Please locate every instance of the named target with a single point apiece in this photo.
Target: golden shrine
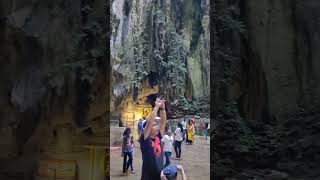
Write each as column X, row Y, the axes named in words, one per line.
column 133, row 113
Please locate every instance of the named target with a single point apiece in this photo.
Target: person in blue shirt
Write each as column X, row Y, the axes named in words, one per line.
column 140, row 127
column 150, row 141
column 171, row 173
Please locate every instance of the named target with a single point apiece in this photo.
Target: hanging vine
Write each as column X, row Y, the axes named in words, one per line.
column 169, row 53
column 173, row 60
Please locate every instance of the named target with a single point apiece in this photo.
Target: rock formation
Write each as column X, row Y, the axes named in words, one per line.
column 270, row 128
column 142, row 34
column 53, row 75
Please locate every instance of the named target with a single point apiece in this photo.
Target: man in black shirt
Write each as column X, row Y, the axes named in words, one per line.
column 151, row 143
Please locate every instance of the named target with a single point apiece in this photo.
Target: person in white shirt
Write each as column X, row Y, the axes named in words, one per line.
column 178, row 138
column 184, row 126
column 167, row 140
column 207, row 130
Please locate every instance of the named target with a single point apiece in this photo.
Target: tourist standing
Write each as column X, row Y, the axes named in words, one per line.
column 151, row 143
column 184, row 126
column 127, row 151
column 203, row 128
column 167, row 146
column 178, row 138
column 191, row 131
column 207, row 130
column 140, row 127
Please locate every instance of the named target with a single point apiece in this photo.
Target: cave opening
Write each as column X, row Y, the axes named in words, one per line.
column 153, row 79
column 151, row 99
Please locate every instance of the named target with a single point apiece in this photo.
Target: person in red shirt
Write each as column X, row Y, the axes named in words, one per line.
column 203, row 128
column 150, row 142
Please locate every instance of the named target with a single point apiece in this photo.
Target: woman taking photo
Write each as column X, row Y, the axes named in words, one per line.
column 127, row 151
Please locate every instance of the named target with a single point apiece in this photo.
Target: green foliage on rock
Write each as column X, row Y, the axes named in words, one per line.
column 136, row 53
column 174, row 64
column 183, row 106
column 89, row 47
column 169, row 55
column 226, row 27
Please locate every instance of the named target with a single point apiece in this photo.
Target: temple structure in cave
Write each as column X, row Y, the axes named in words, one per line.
column 134, row 111
column 127, row 111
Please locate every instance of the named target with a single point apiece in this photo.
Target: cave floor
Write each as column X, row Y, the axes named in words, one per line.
column 195, row 160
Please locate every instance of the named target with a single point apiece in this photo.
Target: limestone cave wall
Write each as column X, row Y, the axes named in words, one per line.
column 265, row 113
column 145, row 18
column 52, row 72
column 278, row 58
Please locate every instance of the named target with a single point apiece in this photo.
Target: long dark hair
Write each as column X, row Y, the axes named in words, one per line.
column 180, row 126
column 127, row 132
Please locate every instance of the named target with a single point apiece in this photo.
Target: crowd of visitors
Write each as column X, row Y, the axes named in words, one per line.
column 156, row 143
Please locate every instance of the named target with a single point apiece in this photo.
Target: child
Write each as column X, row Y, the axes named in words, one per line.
column 167, row 147
column 171, row 172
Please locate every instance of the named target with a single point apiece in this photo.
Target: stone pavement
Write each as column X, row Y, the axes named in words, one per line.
column 194, row 158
